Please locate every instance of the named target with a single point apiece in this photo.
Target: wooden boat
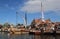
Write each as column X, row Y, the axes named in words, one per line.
column 48, row 32
column 20, row 31
column 35, row 32
column 17, row 32
column 24, row 31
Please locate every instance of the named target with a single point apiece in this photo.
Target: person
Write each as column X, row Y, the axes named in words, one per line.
column 42, row 31
column 54, row 31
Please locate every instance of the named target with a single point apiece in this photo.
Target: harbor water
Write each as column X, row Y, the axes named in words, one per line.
column 27, row 36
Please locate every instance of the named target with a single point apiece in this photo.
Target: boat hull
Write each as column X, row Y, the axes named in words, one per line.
column 35, row 32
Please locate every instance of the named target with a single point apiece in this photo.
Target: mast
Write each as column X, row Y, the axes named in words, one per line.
column 25, row 19
column 42, row 11
column 16, row 17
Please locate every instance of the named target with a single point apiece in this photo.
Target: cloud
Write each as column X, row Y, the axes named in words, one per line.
column 31, row 6
column 52, row 5
column 35, row 5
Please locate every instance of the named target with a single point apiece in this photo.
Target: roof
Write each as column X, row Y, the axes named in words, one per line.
column 57, row 22
column 40, row 21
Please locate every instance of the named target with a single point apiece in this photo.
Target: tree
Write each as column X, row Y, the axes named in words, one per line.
column 6, row 24
column 18, row 24
column 1, row 26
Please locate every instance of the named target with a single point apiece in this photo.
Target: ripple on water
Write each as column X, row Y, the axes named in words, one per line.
column 26, row 36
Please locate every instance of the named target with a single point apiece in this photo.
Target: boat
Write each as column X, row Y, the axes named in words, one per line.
column 35, row 32
column 48, row 32
column 19, row 31
column 24, row 31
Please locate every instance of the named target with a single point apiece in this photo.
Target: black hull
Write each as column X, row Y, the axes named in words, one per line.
column 48, row 33
column 31, row 33
column 35, row 33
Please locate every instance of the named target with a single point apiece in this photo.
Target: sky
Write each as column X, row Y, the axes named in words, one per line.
column 8, row 9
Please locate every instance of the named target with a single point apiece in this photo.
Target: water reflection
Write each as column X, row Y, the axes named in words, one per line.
column 37, row 37
column 12, row 36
